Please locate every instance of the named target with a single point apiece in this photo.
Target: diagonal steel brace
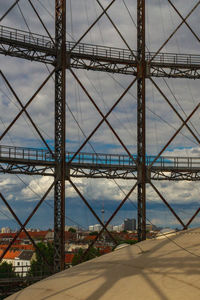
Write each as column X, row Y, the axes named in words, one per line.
column 27, row 104
column 22, row 226
column 28, row 115
column 10, row 8
column 27, row 220
column 176, row 10
column 174, row 135
column 91, row 209
column 190, row 221
column 177, row 113
column 109, row 220
column 167, row 204
column 171, row 35
column 123, row 39
column 99, row 17
column 104, row 118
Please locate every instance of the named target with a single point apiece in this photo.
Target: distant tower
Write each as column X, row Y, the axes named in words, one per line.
column 102, row 212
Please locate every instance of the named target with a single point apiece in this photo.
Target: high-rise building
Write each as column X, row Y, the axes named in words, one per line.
column 130, row 224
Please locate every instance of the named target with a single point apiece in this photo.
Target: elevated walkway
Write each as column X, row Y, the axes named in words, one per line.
column 89, row 164
column 32, row 46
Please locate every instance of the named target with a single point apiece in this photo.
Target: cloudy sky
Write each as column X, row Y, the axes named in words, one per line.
column 25, row 77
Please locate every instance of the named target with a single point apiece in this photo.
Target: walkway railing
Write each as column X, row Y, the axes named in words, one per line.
column 175, row 162
column 97, row 50
column 25, row 37
column 25, row 153
column 9, row 153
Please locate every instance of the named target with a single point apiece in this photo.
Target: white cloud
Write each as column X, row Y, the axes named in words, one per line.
column 185, row 152
column 36, row 187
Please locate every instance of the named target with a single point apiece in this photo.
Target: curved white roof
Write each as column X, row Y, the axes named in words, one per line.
column 167, row 269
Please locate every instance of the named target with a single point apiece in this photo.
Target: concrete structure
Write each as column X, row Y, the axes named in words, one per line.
column 167, row 269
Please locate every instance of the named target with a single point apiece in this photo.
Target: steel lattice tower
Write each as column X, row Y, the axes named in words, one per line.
column 59, row 197
column 64, row 55
column 141, row 130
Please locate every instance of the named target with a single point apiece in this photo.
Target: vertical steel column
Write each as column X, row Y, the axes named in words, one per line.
column 141, row 148
column 59, row 192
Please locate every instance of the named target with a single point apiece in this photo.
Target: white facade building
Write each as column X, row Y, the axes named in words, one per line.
column 98, row 227
column 118, row 228
column 5, row 230
column 20, row 260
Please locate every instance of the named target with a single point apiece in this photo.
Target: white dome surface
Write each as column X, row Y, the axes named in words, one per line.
column 167, row 269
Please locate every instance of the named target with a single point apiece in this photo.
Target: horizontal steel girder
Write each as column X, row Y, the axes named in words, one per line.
column 32, row 161
column 100, row 172
column 31, row 46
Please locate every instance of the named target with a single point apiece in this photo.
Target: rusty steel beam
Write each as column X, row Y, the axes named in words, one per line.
column 62, row 61
column 27, row 220
column 192, row 218
column 27, row 233
column 26, row 105
column 45, row 28
column 60, row 95
column 91, row 209
column 9, row 9
column 104, row 118
column 91, row 26
column 174, row 135
column 119, row 33
column 109, row 220
column 31, row 46
column 186, row 23
column 27, row 114
column 172, row 34
column 141, row 123
column 175, row 110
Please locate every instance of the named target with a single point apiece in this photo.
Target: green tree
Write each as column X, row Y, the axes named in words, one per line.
column 72, row 230
column 39, row 266
column 80, row 257
column 6, row 270
column 93, row 233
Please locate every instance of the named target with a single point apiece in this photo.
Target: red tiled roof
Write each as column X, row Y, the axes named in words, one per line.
column 10, row 254
column 21, row 247
column 33, row 234
column 22, row 235
column 90, row 237
column 68, row 258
